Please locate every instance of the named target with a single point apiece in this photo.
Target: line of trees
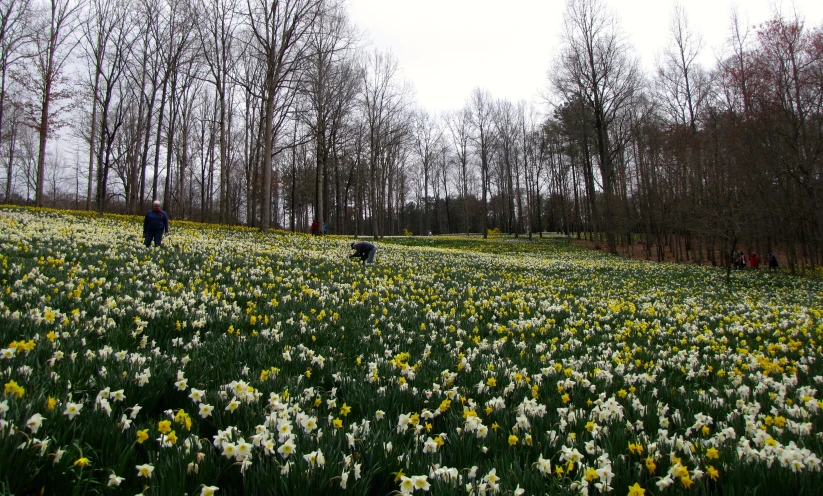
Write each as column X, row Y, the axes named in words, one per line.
column 274, row 113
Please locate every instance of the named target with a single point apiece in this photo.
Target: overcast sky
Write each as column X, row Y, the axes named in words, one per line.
column 448, row 47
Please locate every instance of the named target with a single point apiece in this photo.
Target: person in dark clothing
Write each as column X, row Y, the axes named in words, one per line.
column 314, row 227
column 155, row 224
column 741, row 260
column 772, row 261
column 364, row 250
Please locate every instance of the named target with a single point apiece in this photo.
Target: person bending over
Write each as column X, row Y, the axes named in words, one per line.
column 364, row 250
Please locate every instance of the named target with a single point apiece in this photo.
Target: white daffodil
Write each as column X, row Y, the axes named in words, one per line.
column 72, row 409
column 34, row 422
column 114, row 480
column 420, row 482
column 209, row 490
column 205, row 410
column 145, row 470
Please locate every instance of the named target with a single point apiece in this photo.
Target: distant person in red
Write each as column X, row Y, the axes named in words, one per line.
column 314, row 227
column 754, row 262
column 155, row 224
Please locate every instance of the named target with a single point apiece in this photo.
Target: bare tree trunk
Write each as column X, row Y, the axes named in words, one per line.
column 92, row 140
column 157, row 139
column 12, row 148
column 173, row 110
column 43, row 136
column 268, row 147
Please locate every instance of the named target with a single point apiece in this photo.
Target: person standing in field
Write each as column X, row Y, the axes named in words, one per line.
column 736, row 259
column 364, row 250
column 314, row 227
column 155, row 225
column 772, row 261
column 754, row 261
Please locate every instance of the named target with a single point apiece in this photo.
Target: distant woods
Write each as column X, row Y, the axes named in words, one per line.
column 276, row 114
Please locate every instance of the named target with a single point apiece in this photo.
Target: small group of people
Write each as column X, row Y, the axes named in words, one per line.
column 315, row 228
column 156, row 225
column 740, row 261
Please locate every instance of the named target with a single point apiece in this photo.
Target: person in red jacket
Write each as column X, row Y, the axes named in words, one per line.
column 314, row 227
column 754, row 262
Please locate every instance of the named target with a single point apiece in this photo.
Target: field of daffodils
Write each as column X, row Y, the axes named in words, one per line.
column 234, row 362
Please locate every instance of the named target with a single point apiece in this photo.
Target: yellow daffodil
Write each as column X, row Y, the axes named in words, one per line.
column 142, row 435
column 591, row 474
column 636, row 490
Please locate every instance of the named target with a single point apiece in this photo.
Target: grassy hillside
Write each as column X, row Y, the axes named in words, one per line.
column 273, row 364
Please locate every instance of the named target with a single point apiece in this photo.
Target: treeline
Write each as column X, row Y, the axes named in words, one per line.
column 276, row 113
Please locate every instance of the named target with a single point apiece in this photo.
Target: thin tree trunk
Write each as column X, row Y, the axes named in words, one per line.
column 157, row 138
column 44, row 131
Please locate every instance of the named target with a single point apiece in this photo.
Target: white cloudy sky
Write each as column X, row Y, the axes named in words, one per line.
column 448, row 47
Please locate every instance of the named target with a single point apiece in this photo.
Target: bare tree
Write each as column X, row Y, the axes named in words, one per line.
column 482, row 120
column 683, row 87
column 279, row 30
column 682, row 81
column 507, row 130
column 597, row 67
column 459, row 125
column 331, row 83
column 12, row 137
column 96, row 37
column 144, row 81
column 54, row 178
column 173, row 40
column 384, row 102
column 216, row 22
column 531, row 165
column 15, row 17
column 737, row 70
column 108, row 38
column 789, row 71
column 443, row 169
column 54, row 41
column 427, row 144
